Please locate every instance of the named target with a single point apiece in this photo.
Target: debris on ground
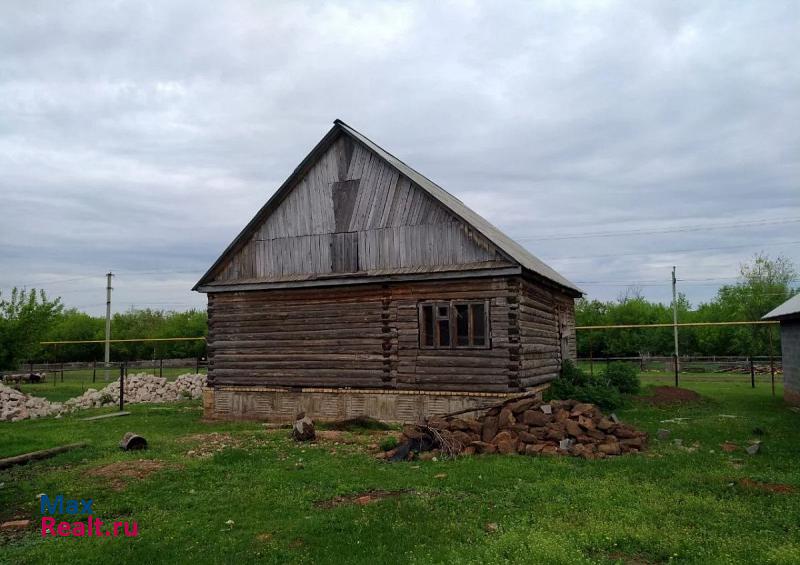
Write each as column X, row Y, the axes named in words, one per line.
column 754, row 448
column 670, row 396
column 142, row 388
column 357, row 424
column 16, row 405
column 139, row 388
column 303, row 428
column 662, row 434
column 15, row 525
column 131, row 441
column 211, row 443
column 120, row 472
column 524, row 425
column 767, row 487
column 361, row 499
column 729, row 447
column 16, row 378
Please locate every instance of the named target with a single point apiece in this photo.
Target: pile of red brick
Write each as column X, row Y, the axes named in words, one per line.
column 531, row 427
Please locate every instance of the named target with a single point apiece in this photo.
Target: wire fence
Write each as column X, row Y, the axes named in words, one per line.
column 715, row 368
column 62, row 381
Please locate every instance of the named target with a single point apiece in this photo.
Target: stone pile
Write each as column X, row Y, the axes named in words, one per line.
column 142, row 388
column 139, row 388
column 16, row 405
column 526, row 426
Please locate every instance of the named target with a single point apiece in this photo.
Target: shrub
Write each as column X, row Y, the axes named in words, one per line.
column 624, row 377
column 389, row 443
column 606, row 397
column 574, row 383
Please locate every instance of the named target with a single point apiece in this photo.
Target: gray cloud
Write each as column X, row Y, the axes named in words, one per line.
column 140, row 137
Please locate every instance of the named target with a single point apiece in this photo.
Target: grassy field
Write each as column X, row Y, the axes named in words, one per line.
column 76, row 383
column 670, row 504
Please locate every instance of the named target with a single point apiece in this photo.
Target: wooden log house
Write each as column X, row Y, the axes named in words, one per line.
column 363, row 288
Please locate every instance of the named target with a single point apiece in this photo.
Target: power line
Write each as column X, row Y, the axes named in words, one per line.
column 75, row 279
column 554, row 259
column 697, row 227
column 650, row 283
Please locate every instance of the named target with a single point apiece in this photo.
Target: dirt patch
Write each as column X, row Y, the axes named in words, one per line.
column 118, row 474
column 361, row 499
column 767, row 487
column 209, row 444
column 368, row 438
column 357, row 424
column 264, row 537
column 670, row 396
column 629, row 559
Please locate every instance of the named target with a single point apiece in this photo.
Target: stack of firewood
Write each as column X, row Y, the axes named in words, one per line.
column 526, row 426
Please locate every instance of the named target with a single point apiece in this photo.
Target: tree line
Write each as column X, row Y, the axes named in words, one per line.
column 764, row 283
column 28, row 317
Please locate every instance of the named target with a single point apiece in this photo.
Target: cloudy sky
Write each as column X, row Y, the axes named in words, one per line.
column 613, row 139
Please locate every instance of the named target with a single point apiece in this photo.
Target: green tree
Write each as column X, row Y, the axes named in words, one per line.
column 25, row 317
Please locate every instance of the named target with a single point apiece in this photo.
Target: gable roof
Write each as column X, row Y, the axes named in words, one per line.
column 504, row 243
column 789, row 309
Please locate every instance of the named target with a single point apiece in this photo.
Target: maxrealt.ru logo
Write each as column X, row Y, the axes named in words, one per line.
column 83, row 507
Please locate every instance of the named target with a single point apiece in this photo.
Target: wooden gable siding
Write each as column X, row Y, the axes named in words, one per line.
column 361, row 337
column 352, row 212
column 546, row 320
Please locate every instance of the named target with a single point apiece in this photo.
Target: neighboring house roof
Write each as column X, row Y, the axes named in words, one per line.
column 789, row 309
column 504, row 243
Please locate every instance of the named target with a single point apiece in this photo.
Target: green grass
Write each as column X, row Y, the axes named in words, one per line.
column 76, row 383
column 667, row 505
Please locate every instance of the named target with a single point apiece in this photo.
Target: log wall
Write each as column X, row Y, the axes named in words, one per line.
column 367, row 337
column 546, row 319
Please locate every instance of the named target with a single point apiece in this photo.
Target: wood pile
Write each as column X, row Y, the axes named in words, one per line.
column 745, row 369
column 16, row 378
column 526, row 426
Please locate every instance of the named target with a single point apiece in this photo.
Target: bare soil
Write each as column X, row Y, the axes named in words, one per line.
column 767, row 487
column 670, row 396
column 118, row 474
column 209, row 444
column 361, row 499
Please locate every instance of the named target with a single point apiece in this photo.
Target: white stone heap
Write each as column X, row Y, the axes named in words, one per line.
column 139, row 388
column 16, row 405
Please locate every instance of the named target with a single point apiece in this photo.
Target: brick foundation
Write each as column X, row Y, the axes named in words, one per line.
column 324, row 404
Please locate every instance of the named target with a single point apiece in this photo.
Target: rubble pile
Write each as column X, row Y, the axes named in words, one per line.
column 142, row 388
column 16, row 405
column 139, row 388
column 526, row 426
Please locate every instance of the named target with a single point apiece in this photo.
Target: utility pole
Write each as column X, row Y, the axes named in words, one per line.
column 675, row 322
column 108, row 322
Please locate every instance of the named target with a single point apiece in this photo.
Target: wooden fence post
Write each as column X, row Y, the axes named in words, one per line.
column 752, row 374
column 121, row 385
column 675, row 366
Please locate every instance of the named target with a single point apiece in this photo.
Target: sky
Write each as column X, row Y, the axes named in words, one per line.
column 612, row 139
